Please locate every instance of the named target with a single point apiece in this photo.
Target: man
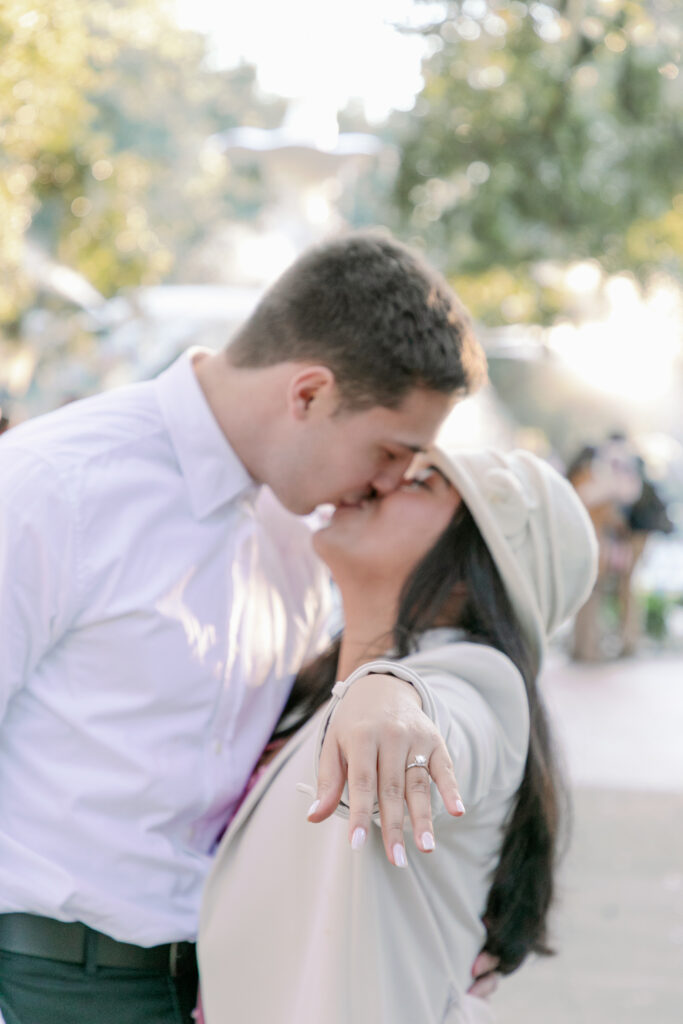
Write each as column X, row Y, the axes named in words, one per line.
column 156, row 603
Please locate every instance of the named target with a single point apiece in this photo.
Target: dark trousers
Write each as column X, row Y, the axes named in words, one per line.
column 34, row 990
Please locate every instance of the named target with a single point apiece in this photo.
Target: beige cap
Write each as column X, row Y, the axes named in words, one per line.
column 536, row 529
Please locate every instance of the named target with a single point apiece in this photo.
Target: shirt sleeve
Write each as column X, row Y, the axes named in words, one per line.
column 487, row 742
column 38, row 577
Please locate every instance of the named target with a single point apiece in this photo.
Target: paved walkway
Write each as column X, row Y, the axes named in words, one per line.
column 619, row 925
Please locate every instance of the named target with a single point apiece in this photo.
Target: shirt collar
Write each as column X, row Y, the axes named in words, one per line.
column 436, row 637
column 213, row 473
column 440, row 635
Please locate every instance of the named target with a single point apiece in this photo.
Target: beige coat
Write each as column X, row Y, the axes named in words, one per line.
column 296, row 927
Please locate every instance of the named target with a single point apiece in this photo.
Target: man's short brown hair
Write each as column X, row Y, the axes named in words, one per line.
column 373, row 312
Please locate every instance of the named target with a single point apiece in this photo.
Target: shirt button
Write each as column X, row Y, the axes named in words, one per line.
column 217, row 747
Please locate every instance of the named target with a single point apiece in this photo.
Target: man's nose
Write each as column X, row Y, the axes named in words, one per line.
column 391, row 475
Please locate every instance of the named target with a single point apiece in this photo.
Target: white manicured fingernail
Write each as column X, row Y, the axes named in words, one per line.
column 313, row 808
column 427, row 841
column 399, row 856
column 459, row 806
column 358, row 838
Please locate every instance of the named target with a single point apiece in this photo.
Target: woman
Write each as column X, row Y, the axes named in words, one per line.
column 460, row 574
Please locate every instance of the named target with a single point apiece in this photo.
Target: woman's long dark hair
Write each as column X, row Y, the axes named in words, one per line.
column 459, row 563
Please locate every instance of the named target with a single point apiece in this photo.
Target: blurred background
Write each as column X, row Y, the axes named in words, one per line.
column 161, row 163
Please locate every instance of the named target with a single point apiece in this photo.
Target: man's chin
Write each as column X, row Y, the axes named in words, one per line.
column 296, row 504
column 305, row 505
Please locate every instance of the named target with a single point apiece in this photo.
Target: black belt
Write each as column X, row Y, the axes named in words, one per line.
column 74, row 943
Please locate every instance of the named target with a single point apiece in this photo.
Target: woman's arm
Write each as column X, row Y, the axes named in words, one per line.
column 466, row 710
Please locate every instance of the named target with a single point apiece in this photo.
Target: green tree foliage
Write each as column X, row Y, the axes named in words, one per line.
column 105, row 109
column 545, row 133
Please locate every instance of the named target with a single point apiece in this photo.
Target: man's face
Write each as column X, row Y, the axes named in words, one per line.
column 375, row 546
column 342, row 457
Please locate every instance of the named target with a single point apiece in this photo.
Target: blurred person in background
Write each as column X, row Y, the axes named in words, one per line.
column 625, row 508
column 594, row 487
column 645, row 516
column 156, row 603
column 453, row 582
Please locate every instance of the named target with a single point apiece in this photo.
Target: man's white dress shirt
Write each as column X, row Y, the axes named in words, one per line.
column 155, row 605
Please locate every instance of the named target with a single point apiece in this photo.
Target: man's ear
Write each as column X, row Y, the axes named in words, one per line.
column 312, row 390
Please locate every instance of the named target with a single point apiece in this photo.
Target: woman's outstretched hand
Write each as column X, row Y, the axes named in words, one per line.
column 376, row 730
